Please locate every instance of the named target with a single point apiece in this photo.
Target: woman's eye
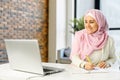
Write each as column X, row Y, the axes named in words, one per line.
column 91, row 22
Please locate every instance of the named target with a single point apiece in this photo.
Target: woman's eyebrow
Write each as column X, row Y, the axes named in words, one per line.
column 92, row 20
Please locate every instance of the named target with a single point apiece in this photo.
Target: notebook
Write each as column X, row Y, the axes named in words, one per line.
column 24, row 55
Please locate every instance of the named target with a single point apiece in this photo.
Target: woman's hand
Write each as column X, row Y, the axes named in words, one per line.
column 102, row 64
column 89, row 66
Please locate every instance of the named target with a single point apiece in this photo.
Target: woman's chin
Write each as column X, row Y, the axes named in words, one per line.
column 88, row 32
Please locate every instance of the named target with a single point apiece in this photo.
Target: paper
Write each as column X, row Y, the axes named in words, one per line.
column 75, row 70
column 96, row 70
column 99, row 70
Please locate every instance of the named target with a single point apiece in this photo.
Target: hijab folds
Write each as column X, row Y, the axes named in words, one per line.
column 90, row 42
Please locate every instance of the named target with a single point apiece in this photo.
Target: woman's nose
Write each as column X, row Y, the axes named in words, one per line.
column 87, row 25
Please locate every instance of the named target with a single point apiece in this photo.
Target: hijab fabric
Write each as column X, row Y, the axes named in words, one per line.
column 95, row 41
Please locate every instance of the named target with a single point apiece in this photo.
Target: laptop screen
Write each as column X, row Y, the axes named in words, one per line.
column 24, row 55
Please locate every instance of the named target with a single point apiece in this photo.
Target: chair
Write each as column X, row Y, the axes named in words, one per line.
column 63, row 56
column 3, row 57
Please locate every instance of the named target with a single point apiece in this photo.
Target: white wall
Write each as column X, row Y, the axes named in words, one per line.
column 111, row 10
column 61, row 23
column 83, row 6
column 69, row 17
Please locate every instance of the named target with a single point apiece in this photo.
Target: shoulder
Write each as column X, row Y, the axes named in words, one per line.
column 109, row 43
column 110, row 40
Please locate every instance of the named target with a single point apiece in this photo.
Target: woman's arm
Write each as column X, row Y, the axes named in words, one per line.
column 77, row 61
column 75, row 56
column 112, row 57
column 82, row 64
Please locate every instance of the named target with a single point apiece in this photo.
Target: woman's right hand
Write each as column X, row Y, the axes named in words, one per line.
column 89, row 66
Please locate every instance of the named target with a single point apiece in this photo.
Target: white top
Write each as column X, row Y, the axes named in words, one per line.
column 106, row 54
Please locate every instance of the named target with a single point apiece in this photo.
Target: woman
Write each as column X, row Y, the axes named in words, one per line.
column 93, row 42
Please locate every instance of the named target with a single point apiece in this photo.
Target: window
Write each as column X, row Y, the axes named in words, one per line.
column 110, row 8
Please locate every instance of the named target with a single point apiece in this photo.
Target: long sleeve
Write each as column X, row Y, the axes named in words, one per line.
column 112, row 57
column 77, row 61
column 75, row 57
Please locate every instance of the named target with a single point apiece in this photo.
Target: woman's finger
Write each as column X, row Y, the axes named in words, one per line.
column 102, row 65
column 89, row 66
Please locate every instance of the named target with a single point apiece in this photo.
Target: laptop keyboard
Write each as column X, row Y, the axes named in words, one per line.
column 46, row 70
column 51, row 70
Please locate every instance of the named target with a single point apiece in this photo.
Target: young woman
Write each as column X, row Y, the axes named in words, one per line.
column 93, row 42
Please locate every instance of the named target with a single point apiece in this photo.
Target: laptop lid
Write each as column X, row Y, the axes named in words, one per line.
column 24, row 55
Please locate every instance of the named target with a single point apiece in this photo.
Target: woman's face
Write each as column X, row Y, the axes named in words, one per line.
column 90, row 25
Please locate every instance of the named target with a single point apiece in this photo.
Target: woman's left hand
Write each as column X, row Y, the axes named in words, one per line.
column 102, row 64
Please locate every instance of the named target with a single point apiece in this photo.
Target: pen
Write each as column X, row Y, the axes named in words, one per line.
column 92, row 66
column 88, row 59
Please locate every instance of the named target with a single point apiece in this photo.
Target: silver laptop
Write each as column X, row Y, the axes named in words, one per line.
column 24, row 55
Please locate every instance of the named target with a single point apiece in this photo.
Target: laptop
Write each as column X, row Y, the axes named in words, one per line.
column 24, row 55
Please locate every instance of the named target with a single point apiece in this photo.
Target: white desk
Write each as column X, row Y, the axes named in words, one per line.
column 70, row 73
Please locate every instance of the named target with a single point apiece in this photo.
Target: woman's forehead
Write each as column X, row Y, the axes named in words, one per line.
column 88, row 18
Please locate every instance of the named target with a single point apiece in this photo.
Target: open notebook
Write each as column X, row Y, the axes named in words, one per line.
column 77, row 70
column 97, row 70
column 24, row 55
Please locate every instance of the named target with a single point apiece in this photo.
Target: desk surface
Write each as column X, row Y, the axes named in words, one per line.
column 71, row 73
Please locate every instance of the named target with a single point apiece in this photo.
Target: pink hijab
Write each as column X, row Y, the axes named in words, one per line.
column 84, row 44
